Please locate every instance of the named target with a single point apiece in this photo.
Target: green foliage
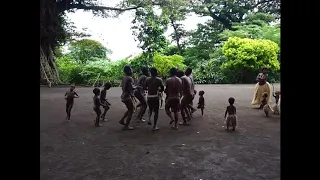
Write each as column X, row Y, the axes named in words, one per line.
column 230, row 48
column 255, row 26
column 164, row 63
column 209, row 71
column 171, row 50
column 246, row 56
column 149, row 29
column 201, row 43
column 86, row 50
column 228, row 12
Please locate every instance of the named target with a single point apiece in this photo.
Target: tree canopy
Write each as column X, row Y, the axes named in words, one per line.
column 230, row 47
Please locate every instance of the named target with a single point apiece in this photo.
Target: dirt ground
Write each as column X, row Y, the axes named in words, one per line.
column 204, row 150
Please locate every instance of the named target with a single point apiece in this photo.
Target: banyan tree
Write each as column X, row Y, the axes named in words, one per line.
column 54, row 29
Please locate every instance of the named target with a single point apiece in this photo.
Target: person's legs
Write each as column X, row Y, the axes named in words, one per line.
column 123, row 117
column 69, row 110
column 129, row 105
column 155, row 104
column 103, row 116
column 190, row 106
column 183, row 109
column 143, row 105
column 150, row 110
column 67, row 107
column 175, row 108
column 98, row 112
column 167, row 107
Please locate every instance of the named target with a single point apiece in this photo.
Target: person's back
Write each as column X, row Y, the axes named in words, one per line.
column 173, row 86
column 103, row 95
column 126, row 86
column 141, row 80
column 153, row 84
column 186, row 86
column 231, row 109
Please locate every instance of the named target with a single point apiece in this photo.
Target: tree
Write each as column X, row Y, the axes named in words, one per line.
column 165, row 63
column 177, row 13
column 201, row 43
column 245, row 57
column 255, row 26
column 55, row 30
column 149, row 30
column 85, row 50
column 227, row 12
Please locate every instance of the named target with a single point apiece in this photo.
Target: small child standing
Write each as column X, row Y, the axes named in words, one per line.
column 264, row 104
column 276, row 108
column 96, row 107
column 160, row 94
column 231, row 111
column 201, row 101
column 69, row 96
column 104, row 101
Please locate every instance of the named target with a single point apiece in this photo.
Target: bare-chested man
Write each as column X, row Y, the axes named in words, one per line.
column 187, row 96
column 188, row 73
column 153, row 84
column 126, row 97
column 139, row 93
column 173, row 90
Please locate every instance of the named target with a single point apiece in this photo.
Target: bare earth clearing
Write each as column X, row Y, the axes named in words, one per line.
column 203, row 150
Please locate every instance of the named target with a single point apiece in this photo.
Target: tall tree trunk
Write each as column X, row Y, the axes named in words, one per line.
column 177, row 39
column 48, row 69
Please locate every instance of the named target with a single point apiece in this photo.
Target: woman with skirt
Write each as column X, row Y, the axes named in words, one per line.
column 261, row 87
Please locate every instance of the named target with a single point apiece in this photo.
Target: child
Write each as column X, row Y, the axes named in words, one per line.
column 201, row 101
column 160, row 94
column 277, row 96
column 276, row 108
column 69, row 96
column 264, row 104
column 264, row 99
column 231, row 111
column 104, row 101
column 96, row 107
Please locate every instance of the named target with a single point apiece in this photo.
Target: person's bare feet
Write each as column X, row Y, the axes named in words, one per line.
column 175, row 128
column 183, row 123
column 127, row 128
column 122, row 122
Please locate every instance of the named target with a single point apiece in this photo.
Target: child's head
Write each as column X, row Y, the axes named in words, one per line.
column 201, row 93
column 107, row 86
column 96, row 91
column 231, row 100
column 180, row 73
column 145, row 71
column 265, row 70
column 127, row 70
column 72, row 87
column 265, row 95
column 154, row 72
column 278, row 93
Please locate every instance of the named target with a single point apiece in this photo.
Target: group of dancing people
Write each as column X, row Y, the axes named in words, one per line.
column 180, row 92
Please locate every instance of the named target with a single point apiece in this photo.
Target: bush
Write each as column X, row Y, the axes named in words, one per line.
column 246, row 57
